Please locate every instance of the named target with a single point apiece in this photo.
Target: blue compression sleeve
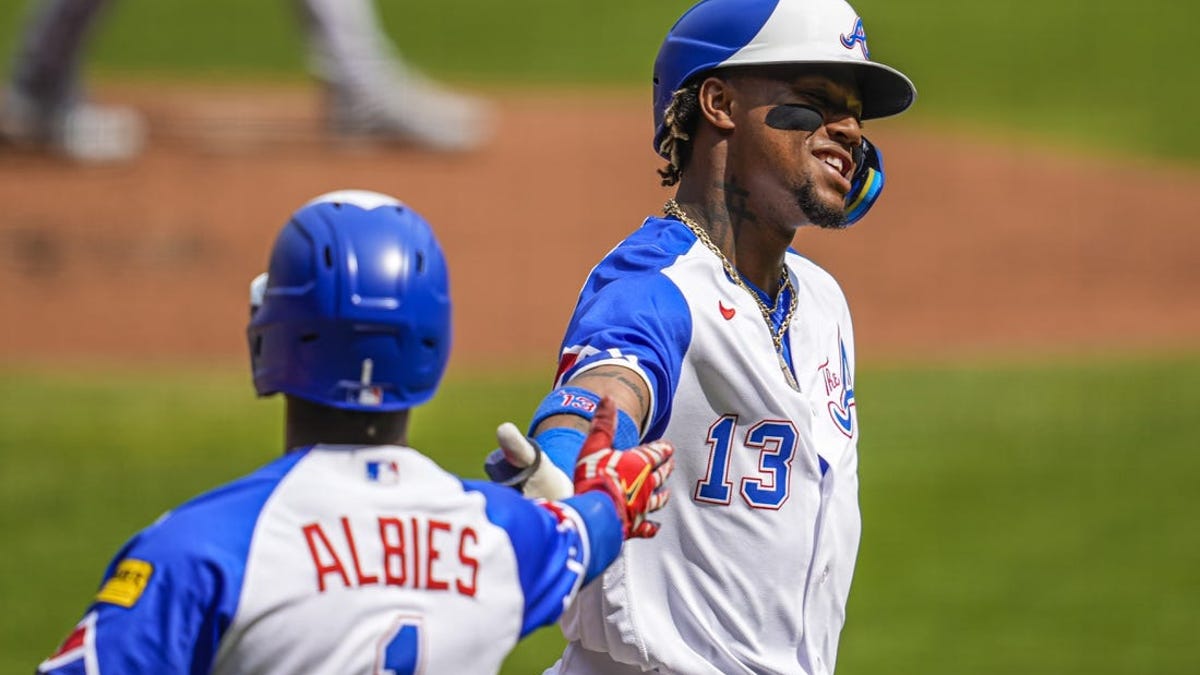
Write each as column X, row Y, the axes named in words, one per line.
column 604, row 534
column 627, row 435
column 581, row 403
column 562, row 445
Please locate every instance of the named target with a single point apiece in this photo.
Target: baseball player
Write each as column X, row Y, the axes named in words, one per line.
column 705, row 327
column 354, row 553
column 372, row 92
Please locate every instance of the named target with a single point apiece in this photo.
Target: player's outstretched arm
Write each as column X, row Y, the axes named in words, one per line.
column 541, row 465
column 636, row 474
column 575, row 538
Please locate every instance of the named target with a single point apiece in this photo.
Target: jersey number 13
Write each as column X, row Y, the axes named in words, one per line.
column 775, row 443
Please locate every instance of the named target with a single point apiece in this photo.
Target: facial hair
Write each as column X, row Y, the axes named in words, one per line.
column 818, row 212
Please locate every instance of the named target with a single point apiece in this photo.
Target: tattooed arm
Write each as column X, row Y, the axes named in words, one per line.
column 626, row 387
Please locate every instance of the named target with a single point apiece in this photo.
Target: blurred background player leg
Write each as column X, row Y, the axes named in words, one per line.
column 45, row 106
column 372, row 93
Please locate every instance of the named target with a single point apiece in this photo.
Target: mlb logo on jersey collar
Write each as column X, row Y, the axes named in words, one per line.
column 386, row 473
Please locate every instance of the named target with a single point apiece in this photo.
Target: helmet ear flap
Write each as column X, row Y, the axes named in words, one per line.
column 867, row 182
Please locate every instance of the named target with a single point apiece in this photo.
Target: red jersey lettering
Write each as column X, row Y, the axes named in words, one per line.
column 312, row 534
column 363, row 579
column 431, row 546
column 468, row 560
column 395, row 562
column 411, row 550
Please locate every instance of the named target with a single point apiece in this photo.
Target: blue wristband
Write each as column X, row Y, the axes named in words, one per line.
column 562, row 444
column 566, row 401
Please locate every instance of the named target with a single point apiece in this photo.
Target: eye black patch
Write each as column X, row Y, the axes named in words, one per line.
column 795, row 118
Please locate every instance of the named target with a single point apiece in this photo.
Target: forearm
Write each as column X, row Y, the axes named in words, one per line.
column 562, row 421
column 627, row 389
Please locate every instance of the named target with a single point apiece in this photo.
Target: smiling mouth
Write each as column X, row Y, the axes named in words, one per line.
column 839, row 164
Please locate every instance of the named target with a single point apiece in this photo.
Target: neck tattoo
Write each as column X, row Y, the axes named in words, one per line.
column 672, row 208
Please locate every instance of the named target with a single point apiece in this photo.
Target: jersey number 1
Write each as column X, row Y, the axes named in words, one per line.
column 775, row 443
column 401, row 654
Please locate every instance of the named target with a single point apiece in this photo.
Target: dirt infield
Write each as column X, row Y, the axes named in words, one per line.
column 975, row 247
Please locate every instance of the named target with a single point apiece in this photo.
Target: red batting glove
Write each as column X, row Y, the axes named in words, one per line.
column 632, row 478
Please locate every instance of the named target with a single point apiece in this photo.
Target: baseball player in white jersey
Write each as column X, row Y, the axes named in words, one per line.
column 708, row 329
column 371, row 91
column 354, row 553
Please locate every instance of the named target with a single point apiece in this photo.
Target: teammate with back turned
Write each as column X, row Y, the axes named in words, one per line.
column 354, row 553
column 706, row 328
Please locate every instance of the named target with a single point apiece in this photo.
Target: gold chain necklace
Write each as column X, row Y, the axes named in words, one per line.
column 672, row 208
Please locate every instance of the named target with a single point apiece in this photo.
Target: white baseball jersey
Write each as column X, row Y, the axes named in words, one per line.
column 341, row 559
column 751, row 570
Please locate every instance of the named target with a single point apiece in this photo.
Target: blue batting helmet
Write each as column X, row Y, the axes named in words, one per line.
column 355, row 309
column 722, row 33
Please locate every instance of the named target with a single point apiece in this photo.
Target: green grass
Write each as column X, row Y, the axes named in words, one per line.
column 477, row 40
column 86, row 461
column 1018, row 519
column 1104, row 75
column 1066, row 72
column 1028, row 520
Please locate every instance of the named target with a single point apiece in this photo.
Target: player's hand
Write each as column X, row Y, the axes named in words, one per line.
column 634, row 479
column 520, row 463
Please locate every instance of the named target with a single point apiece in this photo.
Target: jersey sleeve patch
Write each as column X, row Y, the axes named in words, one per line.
column 77, row 653
column 126, row 585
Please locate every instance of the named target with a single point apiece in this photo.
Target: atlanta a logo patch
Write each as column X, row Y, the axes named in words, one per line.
column 857, row 36
column 840, row 390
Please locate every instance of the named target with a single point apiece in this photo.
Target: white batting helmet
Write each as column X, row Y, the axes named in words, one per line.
column 722, row 33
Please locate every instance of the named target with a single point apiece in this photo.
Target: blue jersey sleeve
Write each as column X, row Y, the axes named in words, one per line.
column 629, row 313
column 159, row 612
column 559, row 546
column 170, row 593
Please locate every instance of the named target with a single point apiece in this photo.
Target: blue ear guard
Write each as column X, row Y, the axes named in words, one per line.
column 867, row 182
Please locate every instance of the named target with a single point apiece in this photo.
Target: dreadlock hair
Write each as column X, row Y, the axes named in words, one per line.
column 680, row 121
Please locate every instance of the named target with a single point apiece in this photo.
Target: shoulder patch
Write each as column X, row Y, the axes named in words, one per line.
column 125, row 587
column 80, row 645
